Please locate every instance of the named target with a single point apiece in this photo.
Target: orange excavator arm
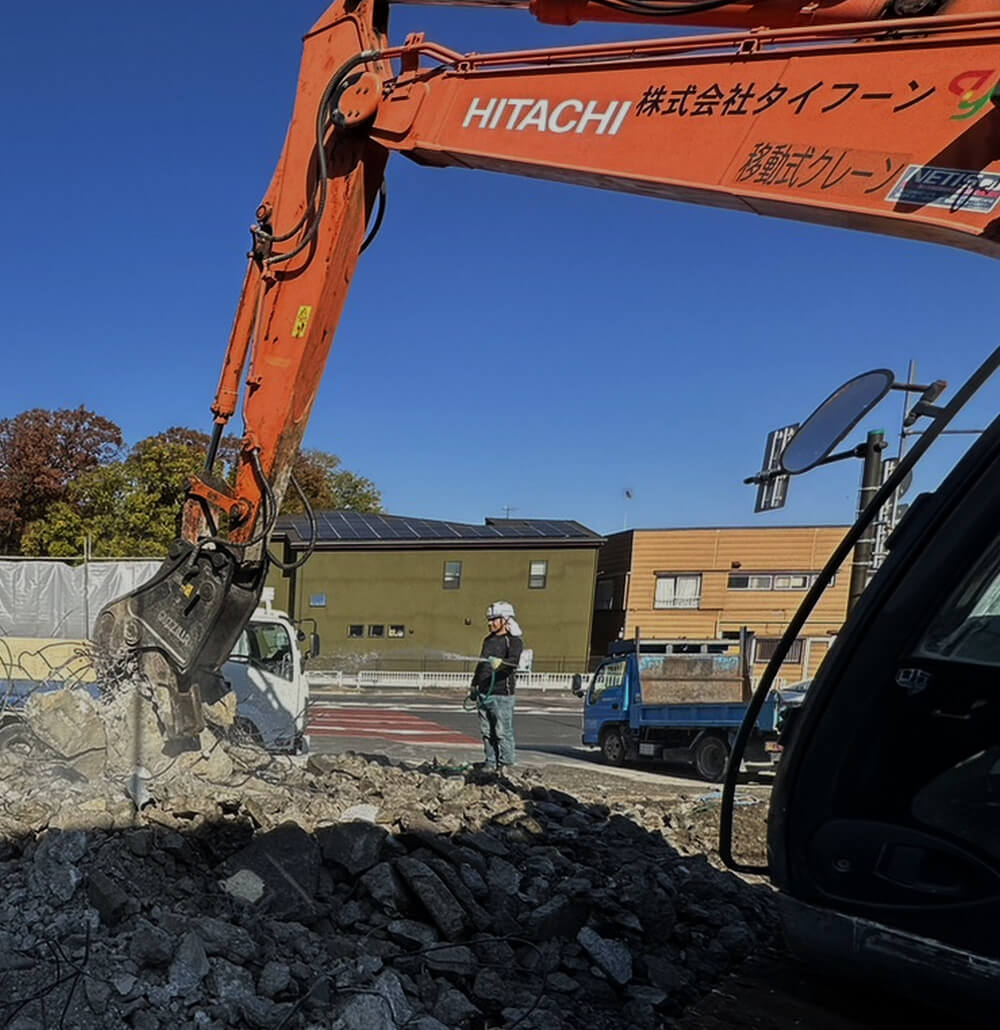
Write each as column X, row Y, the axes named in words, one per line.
column 884, row 124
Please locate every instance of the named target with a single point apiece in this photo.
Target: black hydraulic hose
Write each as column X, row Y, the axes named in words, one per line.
column 213, row 447
column 313, row 534
column 379, row 216
column 906, row 463
column 336, row 83
column 655, row 10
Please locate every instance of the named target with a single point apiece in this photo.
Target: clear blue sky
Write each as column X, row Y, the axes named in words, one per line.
column 506, row 343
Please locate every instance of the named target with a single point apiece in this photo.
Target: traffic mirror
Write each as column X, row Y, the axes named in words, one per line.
column 834, row 419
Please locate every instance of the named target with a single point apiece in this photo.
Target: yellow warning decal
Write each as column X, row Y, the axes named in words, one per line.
column 302, row 321
column 187, row 589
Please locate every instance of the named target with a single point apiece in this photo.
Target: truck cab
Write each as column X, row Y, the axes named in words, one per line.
column 266, row 671
column 677, row 701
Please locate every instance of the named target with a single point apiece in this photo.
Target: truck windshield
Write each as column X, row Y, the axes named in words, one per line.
column 266, row 645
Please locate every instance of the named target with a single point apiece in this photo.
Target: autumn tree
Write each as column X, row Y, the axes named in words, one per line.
column 328, row 486
column 131, row 507
column 41, row 453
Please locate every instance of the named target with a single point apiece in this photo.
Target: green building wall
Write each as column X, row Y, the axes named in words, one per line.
column 405, row 588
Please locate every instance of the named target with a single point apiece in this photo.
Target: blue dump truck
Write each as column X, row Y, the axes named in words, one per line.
column 677, row 701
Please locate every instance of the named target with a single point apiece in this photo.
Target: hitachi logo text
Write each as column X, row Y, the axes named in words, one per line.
column 547, row 116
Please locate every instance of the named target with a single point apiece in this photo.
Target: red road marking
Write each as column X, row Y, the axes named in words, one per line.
column 400, row 727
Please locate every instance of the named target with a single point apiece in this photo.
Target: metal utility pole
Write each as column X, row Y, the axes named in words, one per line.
column 871, row 480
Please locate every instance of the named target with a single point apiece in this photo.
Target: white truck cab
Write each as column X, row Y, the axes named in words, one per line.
column 266, row 671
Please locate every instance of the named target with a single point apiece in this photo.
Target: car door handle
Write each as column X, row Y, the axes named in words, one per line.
column 614, row 707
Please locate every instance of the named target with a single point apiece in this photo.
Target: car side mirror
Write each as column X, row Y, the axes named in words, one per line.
column 576, row 685
column 313, row 645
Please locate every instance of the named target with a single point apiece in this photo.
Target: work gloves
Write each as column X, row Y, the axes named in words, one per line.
column 494, row 663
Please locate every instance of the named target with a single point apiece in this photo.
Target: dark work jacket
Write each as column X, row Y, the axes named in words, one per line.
column 499, row 645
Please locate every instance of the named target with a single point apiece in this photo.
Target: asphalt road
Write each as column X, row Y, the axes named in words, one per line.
column 420, row 725
column 438, row 721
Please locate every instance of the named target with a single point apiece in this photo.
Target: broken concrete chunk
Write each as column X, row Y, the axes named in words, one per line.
column 453, row 1008
column 559, row 917
column 386, row 887
column 226, row 939
column 411, row 933
column 232, row 982
column 355, row 846
column 359, row 813
column 189, row 965
column 245, row 885
column 275, row 977
column 502, row 876
column 457, row 959
column 68, row 723
column 438, row 901
column 612, row 957
column 150, row 946
column 286, row 859
column 107, row 897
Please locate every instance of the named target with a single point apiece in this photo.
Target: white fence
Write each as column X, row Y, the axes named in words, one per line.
column 367, row 678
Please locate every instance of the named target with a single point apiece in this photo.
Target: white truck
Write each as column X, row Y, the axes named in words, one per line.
column 266, row 671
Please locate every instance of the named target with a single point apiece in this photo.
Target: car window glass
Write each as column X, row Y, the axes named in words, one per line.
column 607, row 678
column 967, row 628
column 271, row 649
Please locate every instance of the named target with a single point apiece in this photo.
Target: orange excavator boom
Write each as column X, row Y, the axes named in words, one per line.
column 884, row 124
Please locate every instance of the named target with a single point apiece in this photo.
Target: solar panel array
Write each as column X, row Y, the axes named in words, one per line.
column 355, row 525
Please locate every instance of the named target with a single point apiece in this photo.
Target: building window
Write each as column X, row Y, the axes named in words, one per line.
column 538, row 574
column 395, row 630
column 317, row 600
column 673, row 591
column 745, row 581
column 772, row 580
column 355, row 630
column 766, row 646
column 377, row 630
column 604, row 595
column 791, row 581
column 452, row 575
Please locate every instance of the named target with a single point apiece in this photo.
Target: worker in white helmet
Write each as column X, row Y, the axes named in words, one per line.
column 493, row 685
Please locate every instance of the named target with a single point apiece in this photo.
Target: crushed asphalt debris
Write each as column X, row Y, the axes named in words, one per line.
column 221, row 886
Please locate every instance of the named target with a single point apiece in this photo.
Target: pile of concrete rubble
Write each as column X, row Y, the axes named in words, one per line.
column 224, row 887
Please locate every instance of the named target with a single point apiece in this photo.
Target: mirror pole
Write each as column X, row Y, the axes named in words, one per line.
column 864, row 549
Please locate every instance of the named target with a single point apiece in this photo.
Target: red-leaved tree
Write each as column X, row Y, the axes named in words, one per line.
column 41, row 451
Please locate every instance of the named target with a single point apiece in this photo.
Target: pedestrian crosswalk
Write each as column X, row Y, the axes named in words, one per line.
column 382, row 723
column 523, row 708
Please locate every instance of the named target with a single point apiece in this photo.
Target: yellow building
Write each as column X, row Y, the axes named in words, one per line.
column 707, row 583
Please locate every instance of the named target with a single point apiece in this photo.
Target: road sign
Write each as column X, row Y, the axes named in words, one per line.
column 772, row 490
column 892, row 511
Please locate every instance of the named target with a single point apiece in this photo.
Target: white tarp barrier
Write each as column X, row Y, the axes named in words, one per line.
column 44, row 598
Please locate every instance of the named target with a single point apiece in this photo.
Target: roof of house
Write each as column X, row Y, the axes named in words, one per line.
column 346, row 528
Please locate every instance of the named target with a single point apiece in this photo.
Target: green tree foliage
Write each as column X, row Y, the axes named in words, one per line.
column 328, row 486
column 131, row 506
column 41, row 454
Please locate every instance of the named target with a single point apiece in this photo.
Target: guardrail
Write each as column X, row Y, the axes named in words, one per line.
column 560, row 682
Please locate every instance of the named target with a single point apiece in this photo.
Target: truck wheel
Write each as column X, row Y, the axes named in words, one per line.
column 711, row 755
column 612, row 747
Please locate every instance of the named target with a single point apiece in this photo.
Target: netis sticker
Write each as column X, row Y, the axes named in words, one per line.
column 957, row 189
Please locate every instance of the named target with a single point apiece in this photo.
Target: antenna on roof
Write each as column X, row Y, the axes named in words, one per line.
column 507, row 509
column 628, row 493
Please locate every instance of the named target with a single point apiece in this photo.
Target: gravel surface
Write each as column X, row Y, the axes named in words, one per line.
column 142, row 886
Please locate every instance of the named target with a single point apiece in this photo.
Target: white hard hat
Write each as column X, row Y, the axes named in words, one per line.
column 500, row 610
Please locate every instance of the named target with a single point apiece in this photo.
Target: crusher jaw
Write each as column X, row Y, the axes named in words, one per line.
column 175, row 631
